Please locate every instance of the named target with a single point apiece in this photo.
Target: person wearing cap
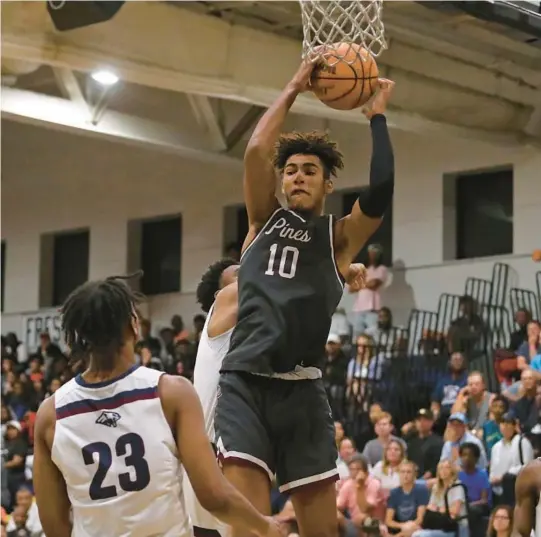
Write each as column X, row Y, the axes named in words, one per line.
column 424, row 447
column 458, row 434
column 15, row 450
column 508, row 456
column 368, row 300
column 334, row 374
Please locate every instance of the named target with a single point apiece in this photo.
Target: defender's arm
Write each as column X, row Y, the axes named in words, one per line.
column 356, row 228
column 526, row 497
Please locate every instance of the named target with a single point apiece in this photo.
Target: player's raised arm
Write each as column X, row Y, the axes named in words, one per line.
column 526, row 497
column 259, row 175
column 183, row 410
column 354, row 230
column 49, row 485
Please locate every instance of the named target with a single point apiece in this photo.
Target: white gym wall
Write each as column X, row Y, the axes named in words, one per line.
column 55, row 182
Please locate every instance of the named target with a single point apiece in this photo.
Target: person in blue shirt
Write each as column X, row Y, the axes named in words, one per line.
column 479, row 491
column 407, row 503
column 491, row 428
column 459, row 435
column 447, row 389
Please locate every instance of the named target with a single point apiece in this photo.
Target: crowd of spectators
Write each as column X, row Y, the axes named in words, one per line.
column 443, row 466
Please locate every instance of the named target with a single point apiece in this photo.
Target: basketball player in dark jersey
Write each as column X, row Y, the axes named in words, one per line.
column 272, row 414
column 528, row 501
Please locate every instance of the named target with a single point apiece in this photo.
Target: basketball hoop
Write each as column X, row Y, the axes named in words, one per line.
column 342, row 21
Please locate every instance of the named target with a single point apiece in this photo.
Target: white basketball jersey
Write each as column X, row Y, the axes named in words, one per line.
column 210, row 355
column 119, row 459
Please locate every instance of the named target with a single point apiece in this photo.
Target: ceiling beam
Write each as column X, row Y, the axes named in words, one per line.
column 229, row 62
column 64, row 115
column 69, row 85
column 208, row 119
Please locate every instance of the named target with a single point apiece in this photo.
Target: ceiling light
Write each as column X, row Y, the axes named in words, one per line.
column 105, row 78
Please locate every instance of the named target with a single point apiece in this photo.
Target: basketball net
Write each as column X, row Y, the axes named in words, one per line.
column 342, row 21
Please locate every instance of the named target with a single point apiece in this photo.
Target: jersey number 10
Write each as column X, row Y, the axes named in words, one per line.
column 131, row 447
column 288, row 261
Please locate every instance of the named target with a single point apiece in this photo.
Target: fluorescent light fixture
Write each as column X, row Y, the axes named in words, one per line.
column 104, row 77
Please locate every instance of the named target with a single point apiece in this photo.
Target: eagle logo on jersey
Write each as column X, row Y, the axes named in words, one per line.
column 109, row 419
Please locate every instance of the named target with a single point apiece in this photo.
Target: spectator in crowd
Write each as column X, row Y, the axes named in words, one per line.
column 448, row 387
column 520, row 335
column 147, row 358
column 387, row 470
column 466, row 331
column 508, row 456
column 384, row 334
column 340, row 326
column 20, row 524
column 14, row 454
column 368, row 300
column 373, row 450
column 501, row 522
column 152, row 343
column 198, row 325
column 424, row 446
column 474, row 402
column 179, row 331
column 15, row 350
column 18, row 400
column 527, row 408
column 346, row 450
column 334, row 374
column 457, row 435
column 477, row 485
column 449, row 502
column 28, row 509
column 361, row 497
column 491, row 427
column 407, row 503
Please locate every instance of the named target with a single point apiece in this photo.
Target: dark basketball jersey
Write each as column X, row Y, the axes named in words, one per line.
column 289, row 287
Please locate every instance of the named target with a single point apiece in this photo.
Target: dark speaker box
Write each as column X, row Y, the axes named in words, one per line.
column 69, row 15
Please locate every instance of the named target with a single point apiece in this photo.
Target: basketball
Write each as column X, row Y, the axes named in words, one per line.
column 536, row 256
column 347, row 77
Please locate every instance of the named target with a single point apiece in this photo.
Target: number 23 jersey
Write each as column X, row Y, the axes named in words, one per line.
column 289, row 287
column 116, row 451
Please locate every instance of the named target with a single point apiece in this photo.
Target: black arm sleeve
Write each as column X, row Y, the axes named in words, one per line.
column 377, row 196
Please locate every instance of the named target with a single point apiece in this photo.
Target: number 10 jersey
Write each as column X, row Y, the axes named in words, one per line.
column 289, row 287
column 116, row 451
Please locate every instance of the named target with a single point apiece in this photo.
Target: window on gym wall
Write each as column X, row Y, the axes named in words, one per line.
column 70, row 263
column 161, row 244
column 383, row 236
column 235, row 229
column 2, row 274
column 484, row 213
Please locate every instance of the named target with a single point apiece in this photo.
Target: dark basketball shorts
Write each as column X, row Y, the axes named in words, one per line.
column 283, row 426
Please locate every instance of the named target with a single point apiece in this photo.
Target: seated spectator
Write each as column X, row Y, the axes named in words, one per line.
column 407, row 503
column 474, row 402
column 424, row 446
column 477, row 485
column 525, row 356
column 467, row 330
column 198, row 325
column 447, row 389
column 361, row 496
column 387, row 470
column 384, row 335
column 152, row 343
column 147, row 358
column 509, row 455
column 501, row 522
column 180, row 333
column 15, row 449
column 368, row 300
column 334, row 374
column 520, row 335
column 340, row 325
column 35, row 369
column 373, row 450
column 491, row 427
column 457, row 435
column 19, row 518
column 449, row 502
column 346, row 450
column 18, row 400
column 527, row 408
column 26, row 503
